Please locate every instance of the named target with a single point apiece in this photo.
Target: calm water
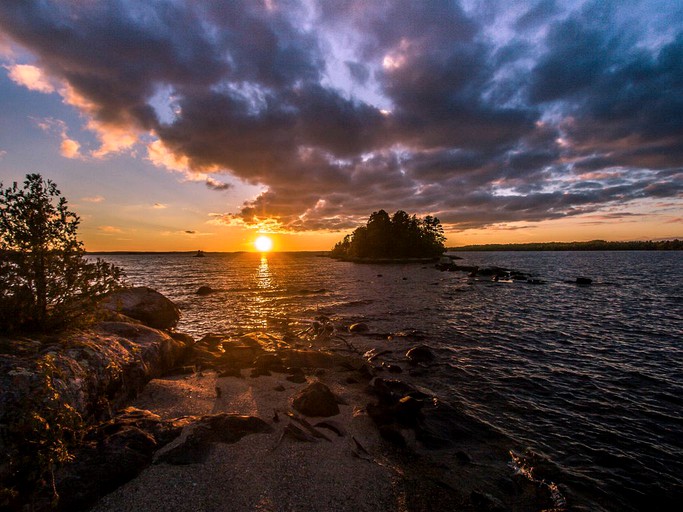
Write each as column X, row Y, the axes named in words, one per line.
column 591, row 377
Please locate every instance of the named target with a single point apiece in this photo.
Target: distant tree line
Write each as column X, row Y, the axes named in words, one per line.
column 593, row 245
column 397, row 237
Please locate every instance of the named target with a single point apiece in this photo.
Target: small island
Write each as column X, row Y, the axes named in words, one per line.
column 398, row 238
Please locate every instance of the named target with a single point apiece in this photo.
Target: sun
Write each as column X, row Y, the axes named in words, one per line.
column 263, row 243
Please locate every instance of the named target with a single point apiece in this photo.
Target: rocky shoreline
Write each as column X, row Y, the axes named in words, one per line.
column 335, row 430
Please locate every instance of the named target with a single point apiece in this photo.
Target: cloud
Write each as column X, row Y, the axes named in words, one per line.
column 484, row 116
column 70, row 148
column 110, row 230
column 159, row 206
column 214, row 184
column 93, row 199
column 31, row 77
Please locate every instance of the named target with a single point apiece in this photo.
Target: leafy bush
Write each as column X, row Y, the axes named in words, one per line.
column 45, row 279
column 40, row 432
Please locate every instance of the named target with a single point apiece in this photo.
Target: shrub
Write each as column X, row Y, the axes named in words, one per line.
column 45, row 279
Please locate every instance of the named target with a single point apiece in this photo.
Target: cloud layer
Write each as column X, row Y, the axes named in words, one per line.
column 480, row 113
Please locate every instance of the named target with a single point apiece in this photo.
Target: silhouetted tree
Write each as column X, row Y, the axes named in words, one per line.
column 46, row 281
column 395, row 237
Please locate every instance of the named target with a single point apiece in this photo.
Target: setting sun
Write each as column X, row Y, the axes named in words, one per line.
column 263, row 244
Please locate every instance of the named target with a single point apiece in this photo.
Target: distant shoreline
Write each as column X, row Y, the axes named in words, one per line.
column 593, row 245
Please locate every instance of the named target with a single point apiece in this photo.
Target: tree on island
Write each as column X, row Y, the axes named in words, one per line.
column 396, row 237
column 46, row 280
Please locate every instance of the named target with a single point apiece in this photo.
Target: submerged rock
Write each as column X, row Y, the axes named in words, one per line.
column 420, row 354
column 144, row 304
column 205, row 290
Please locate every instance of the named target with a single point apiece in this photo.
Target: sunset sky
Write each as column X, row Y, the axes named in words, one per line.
column 184, row 125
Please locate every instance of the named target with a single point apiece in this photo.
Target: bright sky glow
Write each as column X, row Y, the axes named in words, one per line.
column 198, row 124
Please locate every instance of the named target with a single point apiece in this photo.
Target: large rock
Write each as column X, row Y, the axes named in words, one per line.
column 144, row 304
column 316, row 400
column 92, row 373
column 194, row 441
column 114, row 452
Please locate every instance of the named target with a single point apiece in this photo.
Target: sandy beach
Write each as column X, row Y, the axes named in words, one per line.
column 342, row 465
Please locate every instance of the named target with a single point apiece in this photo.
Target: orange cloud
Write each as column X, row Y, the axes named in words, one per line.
column 159, row 155
column 70, row 148
column 113, row 138
column 110, row 229
column 93, row 199
column 31, row 77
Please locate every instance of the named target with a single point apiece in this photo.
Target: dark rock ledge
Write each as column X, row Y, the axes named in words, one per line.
column 84, row 374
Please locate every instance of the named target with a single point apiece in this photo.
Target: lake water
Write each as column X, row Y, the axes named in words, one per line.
column 589, row 376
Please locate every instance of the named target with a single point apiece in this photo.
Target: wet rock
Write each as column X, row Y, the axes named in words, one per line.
column 269, row 362
column 393, row 368
column 279, row 387
column 192, row 445
column 393, row 434
column 316, row 400
column 584, row 280
column 144, row 304
column 420, row 354
column 230, row 372
column 298, row 434
column 100, row 467
column 204, row 290
column 310, row 358
column 486, row 502
column 296, row 378
column 332, row 425
column 405, row 412
column 212, row 342
column 359, row 327
column 462, row 457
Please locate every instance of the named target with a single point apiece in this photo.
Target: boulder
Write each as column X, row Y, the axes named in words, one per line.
column 145, row 305
column 359, row 327
column 204, row 290
column 316, row 400
column 420, row 354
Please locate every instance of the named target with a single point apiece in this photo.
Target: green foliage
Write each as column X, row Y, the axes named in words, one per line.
column 593, row 245
column 401, row 236
column 45, row 279
column 42, row 430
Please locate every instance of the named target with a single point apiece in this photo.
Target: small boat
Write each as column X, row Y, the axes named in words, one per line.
column 200, row 254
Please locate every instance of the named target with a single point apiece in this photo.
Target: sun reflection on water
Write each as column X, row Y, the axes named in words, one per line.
column 261, row 303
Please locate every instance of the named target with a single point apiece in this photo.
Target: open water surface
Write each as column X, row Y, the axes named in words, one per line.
column 589, row 376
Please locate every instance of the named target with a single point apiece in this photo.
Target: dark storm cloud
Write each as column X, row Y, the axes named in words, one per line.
column 625, row 102
column 358, row 71
column 578, row 109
